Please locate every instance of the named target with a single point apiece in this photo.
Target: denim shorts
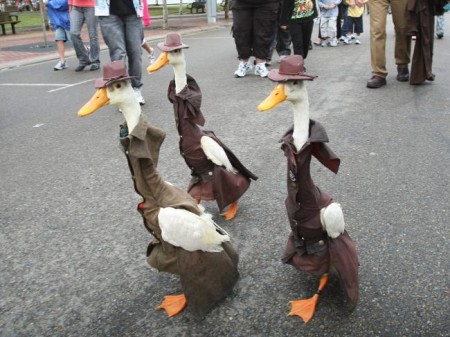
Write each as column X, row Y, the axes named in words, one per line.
column 62, row 34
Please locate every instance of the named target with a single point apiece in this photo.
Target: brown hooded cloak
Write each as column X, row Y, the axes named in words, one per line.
column 209, row 181
column 309, row 248
column 206, row 278
column 420, row 23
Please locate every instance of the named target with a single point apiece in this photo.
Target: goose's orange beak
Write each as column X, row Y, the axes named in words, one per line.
column 100, row 99
column 160, row 62
column 276, row 97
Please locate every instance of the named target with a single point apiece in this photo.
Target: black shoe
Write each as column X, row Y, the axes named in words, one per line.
column 402, row 73
column 440, row 36
column 94, row 66
column 80, row 67
column 376, row 82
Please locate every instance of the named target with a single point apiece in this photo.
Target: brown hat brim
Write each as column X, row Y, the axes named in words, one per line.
column 104, row 82
column 275, row 76
column 163, row 47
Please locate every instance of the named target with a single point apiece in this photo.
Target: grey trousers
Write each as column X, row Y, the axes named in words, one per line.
column 79, row 16
column 123, row 36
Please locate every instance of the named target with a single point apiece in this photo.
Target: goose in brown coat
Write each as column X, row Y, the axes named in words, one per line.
column 318, row 242
column 186, row 240
column 217, row 174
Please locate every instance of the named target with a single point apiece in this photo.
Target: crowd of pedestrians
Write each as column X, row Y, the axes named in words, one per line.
column 260, row 27
column 122, row 26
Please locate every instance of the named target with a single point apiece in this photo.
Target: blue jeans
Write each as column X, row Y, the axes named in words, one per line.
column 78, row 16
column 123, row 36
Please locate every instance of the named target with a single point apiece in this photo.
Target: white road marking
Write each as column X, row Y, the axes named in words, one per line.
column 32, row 85
column 60, row 86
column 38, row 125
column 71, row 85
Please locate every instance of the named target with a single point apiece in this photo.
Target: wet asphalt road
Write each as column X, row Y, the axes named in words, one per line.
column 72, row 246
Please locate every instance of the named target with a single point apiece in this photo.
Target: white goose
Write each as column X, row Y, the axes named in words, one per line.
column 180, row 221
column 318, row 242
column 332, row 217
column 210, row 149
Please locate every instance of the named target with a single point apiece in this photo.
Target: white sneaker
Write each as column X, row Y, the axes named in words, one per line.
column 60, row 65
column 333, row 42
column 357, row 41
column 325, row 43
column 342, row 38
column 243, row 69
column 139, row 97
column 348, row 40
column 261, row 70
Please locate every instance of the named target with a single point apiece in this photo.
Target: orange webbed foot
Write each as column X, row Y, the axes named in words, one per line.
column 231, row 212
column 306, row 308
column 173, row 304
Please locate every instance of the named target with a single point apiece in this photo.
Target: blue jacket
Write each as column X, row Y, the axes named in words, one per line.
column 58, row 13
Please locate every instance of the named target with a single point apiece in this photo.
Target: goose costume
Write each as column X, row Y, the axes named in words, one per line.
column 207, row 275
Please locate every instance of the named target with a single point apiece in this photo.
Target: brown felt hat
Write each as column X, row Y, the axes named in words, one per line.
column 112, row 72
column 173, row 42
column 291, row 68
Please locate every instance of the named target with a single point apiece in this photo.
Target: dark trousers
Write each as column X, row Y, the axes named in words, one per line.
column 253, row 28
column 301, row 36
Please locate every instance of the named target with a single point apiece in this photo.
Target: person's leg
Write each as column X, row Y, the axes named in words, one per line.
column 284, row 42
column 61, row 36
column 332, row 31
column 113, row 32
column 307, row 28
column 94, row 47
column 264, row 20
column 60, row 47
column 440, row 24
column 146, row 47
column 273, row 45
column 133, row 40
column 378, row 14
column 243, row 31
column 323, row 24
column 296, row 30
column 76, row 23
column 402, row 42
column 358, row 28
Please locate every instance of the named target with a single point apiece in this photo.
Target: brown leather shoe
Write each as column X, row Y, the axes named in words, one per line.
column 402, row 73
column 376, row 82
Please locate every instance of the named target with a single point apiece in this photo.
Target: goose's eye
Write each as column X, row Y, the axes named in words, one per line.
column 295, row 82
column 119, row 85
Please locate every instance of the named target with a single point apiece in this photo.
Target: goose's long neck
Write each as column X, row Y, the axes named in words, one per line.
column 301, row 122
column 131, row 110
column 180, row 76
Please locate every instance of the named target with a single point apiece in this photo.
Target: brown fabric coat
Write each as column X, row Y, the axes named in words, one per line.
column 309, row 248
column 209, row 181
column 206, row 278
column 420, row 23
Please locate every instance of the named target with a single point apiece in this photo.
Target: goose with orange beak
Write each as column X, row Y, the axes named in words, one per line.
column 217, row 174
column 318, row 242
column 186, row 242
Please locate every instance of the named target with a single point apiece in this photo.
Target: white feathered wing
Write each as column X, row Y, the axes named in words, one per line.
column 332, row 219
column 216, row 153
column 189, row 231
